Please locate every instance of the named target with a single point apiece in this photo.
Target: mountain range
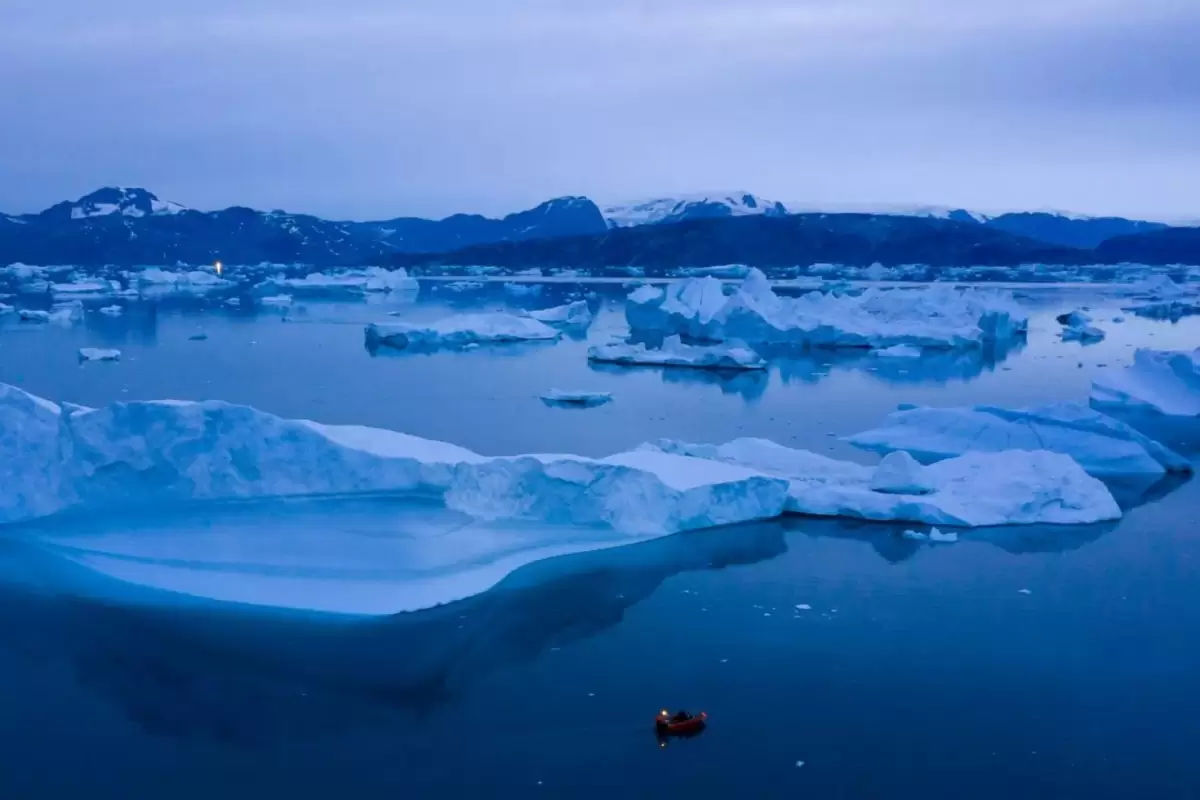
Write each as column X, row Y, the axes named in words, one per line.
column 129, row 226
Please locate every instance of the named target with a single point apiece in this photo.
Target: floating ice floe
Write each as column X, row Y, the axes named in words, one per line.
column 156, row 281
column 1161, row 381
column 674, row 353
column 276, row 301
column 1101, row 445
column 463, row 286
column 112, row 311
column 973, row 490
column 571, row 315
column 641, row 492
column 1077, row 326
column 558, row 397
column 360, row 281
column 898, row 351
column 86, row 287
column 938, row 316
column 99, row 354
column 6, row 309
column 61, row 313
column 460, row 330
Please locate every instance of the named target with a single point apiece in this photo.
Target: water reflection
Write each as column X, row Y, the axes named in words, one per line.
column 247, row 675
column 748, row 384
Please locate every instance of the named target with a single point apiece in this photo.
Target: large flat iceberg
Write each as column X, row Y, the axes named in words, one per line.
column 459, row 331
column 1160, row 381
column 674, row 353
column 346, row 282
column 936, row 316
column 1101, row 445
column 974, row 490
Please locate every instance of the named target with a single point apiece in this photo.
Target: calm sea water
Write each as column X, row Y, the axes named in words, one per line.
column 1033, row 662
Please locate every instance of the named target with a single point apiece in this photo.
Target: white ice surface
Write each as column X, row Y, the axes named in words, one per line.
column 461, row 330
column 1161, row 381
column 1101, row 445
column 974, row 490
column 561, row 397
column 99, row 354
column 674, row 353
column 571, row 315
column 935, row 316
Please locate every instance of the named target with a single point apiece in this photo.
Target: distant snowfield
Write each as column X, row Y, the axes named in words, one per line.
column 361, row 556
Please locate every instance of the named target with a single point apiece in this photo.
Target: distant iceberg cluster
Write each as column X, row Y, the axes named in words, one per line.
column 938, row 316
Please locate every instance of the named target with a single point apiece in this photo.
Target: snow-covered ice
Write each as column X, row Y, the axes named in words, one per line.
column 571, row 315
column 973, row 490
column 641, row 492
column 460, row 330
column 937, row 316
column 898, row 351
column 674, row 353
column 1101, row 445
column 1161, row 381
column 560, row 397
column 99, row 354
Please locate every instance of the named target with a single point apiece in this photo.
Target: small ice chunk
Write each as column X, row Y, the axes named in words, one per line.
column 1074, row 319
column 233, row 301
column 803, row 607
column 523, row 289
column 560, row 397
column 33, row 315
column 99, row 354
column 460, row 330
column 276, row 301
column 571, row 315
column 198, row 337
column 1024, row 591
column 674, row 353
column 945, row 538
column 6, row 309
column 899, row 473
column 898, row 351
column 916, row 536
column 112, row 311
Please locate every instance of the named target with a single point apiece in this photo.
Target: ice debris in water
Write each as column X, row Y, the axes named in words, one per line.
column 99, row 354
column 976, row 489
column 936, row 316
column 571, row 315
column 460, row 330
column 1159, row 381
column 674, row 353
column 560, row 397
column 1101, row 445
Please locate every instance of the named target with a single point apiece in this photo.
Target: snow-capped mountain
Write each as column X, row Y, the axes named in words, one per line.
column 133, row 226
column 683, row 207
column 114, row 200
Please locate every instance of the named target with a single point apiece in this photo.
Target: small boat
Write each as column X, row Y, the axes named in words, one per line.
column 680, row 724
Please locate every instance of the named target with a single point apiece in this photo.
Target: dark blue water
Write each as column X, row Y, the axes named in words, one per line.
column 917, row 671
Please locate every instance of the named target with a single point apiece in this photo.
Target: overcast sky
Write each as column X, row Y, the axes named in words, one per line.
column 375, row 108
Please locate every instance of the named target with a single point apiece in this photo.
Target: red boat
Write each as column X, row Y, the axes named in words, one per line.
column 680, row 724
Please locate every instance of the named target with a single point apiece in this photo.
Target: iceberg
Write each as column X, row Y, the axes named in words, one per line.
column 571, row 315
column 1077, row 326
column 1169, row 310
column 63, row 313
column 155, row 281
column 460, row 331
column 1160, row 381
column 898, row 351
column 974, row 490
column 1101, row 445
column 361, row 281
column 674, row 353
column 558, row 397
column 642, row 492
column 937, row 316
column 99, row 354
column 85, row 287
